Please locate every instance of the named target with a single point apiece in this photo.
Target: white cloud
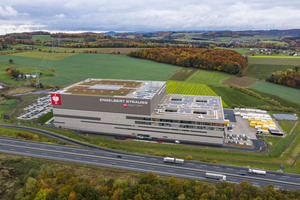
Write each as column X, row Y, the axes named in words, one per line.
column 148, row 15
column 60, row 16
column 4, row 29
column 7, row 11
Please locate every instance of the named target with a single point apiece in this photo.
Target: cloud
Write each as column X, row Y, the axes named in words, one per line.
column 149, row 15
column 4, row 29
column 7, row 11
column 60, row 16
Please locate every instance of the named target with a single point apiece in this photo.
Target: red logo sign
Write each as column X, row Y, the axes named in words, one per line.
column 55, row 99
column 124, row 104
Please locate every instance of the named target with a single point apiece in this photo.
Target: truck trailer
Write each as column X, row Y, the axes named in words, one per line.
column 173, row 160
column 215, row 176
column 256, row 171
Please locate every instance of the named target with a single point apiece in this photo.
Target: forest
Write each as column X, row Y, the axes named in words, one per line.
column 213, row 59
column 288, row 77
column 51, row 185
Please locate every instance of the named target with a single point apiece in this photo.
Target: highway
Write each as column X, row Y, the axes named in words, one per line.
column 135, row 162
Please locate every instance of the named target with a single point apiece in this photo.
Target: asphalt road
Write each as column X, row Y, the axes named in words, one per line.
column 135, row 162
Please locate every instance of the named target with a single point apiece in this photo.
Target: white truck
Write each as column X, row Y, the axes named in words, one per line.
column 256, row 171
column 215, row 176
column 173, row 160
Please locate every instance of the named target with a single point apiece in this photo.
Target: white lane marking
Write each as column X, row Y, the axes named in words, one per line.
column 131, row 165
column 77, row 158
column 191, row 174
column 95, row 160
column 230, row 169
column 169, row 170
column 12, row 149
column 153, row 158
column 61, row 156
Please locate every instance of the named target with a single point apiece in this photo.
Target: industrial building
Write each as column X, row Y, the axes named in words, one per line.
column 138, row 109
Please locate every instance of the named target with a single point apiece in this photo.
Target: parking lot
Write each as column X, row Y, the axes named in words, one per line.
column 240, row 132
column 38, row 109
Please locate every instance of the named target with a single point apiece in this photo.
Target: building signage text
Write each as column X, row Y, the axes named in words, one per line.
column 127, row 101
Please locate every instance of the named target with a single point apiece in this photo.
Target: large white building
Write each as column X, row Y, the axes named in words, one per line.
column 139, row 109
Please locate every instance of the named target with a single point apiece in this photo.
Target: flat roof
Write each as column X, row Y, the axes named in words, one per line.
column 115, row 88
column 190, row 107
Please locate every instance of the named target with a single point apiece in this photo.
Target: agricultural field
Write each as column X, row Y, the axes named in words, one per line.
column 4, row 77
column 284, row 102
column 43, row 38
column 183, row 74
column 240, row 81
column 274, row 42
column 231, row 96
column 178, row 87
column 263, row 71
column 278, row 90
column 272, row 60
column 82, row 66
column 208, row 77
column 44, row 55
column 6, row 105
column 79, row 50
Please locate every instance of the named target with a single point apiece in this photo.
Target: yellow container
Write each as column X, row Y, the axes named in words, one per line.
column 252, row 125
column 227, row 122
column 264, row 127
column 250, row 119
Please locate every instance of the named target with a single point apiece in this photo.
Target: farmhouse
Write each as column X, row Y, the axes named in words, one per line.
column 138, row 109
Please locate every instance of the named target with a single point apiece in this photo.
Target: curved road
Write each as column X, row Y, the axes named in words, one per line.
column 194, row 170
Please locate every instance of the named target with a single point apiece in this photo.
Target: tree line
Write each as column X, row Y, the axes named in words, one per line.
column 288, row 77
column 51, row 185
column 213, row 59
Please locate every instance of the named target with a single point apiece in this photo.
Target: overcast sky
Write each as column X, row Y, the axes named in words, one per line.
column 147, row 15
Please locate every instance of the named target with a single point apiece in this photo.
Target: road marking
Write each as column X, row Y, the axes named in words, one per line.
column 191, row 173
column 131, row 165
column 12, row 149
column 230, row 169
column 175, row 167
column 169, row 170
column 153, row 158
column 95, row 160
column 61, row 156
column 27, row 151
column 78, row 158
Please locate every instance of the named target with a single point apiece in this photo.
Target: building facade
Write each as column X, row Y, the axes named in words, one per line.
column 138, row 109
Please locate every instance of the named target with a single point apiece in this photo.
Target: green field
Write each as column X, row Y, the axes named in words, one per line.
column 44, row 55
column 82, row 66
column 263, row 71
column 208, row 77
column 183, row 74
column 178, row 87
column 274, row 42
column 278, row 90
column 277, row 56
column 4, row 77
column 273, row 60
column 6, row 105
column 284, row 102
column 43, row 38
